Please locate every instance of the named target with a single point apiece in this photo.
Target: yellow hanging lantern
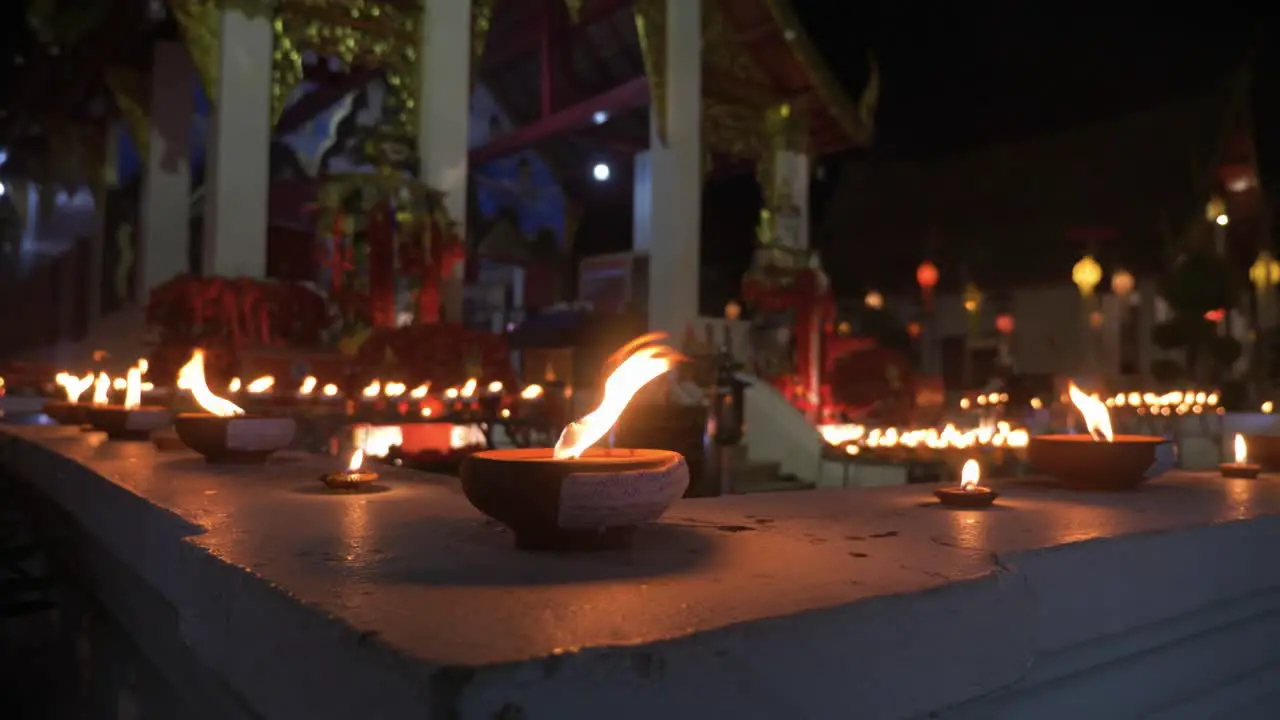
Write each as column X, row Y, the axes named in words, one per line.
column 1265, row 271
column 1086, row 274
column 1214, row 209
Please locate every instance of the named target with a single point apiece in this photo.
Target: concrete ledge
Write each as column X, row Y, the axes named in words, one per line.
column 871, row 603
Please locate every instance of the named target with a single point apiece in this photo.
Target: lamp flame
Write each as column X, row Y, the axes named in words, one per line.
column 969, row 475
column 1242, row 450
column 495, row 387
column 74, row 386
column 261, row 385
column 357, row 459
column 100, row 388
column 234, row 385
column 1096, row 417
column 308, row 385
column 420, row 392
column 373, row 389
column 469, row 388
column 191, row 379
column 133, row 389
column 532, row 392
column 644, row 361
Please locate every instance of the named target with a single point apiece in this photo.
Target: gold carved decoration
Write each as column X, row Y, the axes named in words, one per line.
column 356, row 32
column 575, row 9
column 481, row 23
column 851, row 119
column 200, row 22
column 732, row 129
column 651, row 29
column 723, row 50
column 132, row 95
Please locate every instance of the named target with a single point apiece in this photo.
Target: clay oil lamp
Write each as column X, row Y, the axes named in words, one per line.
column 131, row 420
column 224, row 433
column 353, row 478
column 573, row 497
column 1241, row 468
column 968, row 494
column 1100, row 460
column 70, row 411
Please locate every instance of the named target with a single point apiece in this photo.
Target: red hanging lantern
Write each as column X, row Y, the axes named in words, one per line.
column 1004, row 323
column 927, row 277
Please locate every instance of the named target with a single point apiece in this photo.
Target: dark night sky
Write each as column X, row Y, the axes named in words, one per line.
column 956, row 75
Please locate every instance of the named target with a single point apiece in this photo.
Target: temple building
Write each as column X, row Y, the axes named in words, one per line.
column 230, row 139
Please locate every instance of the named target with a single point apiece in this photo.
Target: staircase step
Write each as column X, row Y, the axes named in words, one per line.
column 757, row 476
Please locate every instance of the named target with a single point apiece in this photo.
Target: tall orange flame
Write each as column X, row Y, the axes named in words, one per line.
column 191, row 379
column 1094, row 412
column 642, row 360
column 101, row 387
column 74, row 386
column 133, row 389
column 969, row 475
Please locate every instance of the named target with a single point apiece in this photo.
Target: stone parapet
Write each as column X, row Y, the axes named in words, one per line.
column 869, row 603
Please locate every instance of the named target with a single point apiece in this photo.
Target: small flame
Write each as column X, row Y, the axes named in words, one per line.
column 532, row 392
column 119, row 383
column 420, row 392
column 469, row 388
column 100, row 388
column 357, row 459
column 1242, row 449
column 495, row 387
column 133, row 389
column 329, row 390
column 373, row 389
column 1096, row 417
column 451, row 393
column 261, row 385
column 644, row 361
column 74, row 386
column 234, row 385
column 143, row 366
column 394, row 389
column 191, row 379
column 969, row 475
column 308, row 385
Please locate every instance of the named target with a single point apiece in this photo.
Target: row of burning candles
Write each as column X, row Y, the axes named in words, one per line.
column 103, row 384
column 1178, row 402
column 854, row 436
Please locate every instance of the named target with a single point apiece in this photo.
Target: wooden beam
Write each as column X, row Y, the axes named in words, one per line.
column 631, row 94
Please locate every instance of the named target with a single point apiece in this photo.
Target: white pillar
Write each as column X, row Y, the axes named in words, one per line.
column 668, row 188
column 237, row 155
column 444, row 107
column 164, row 218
